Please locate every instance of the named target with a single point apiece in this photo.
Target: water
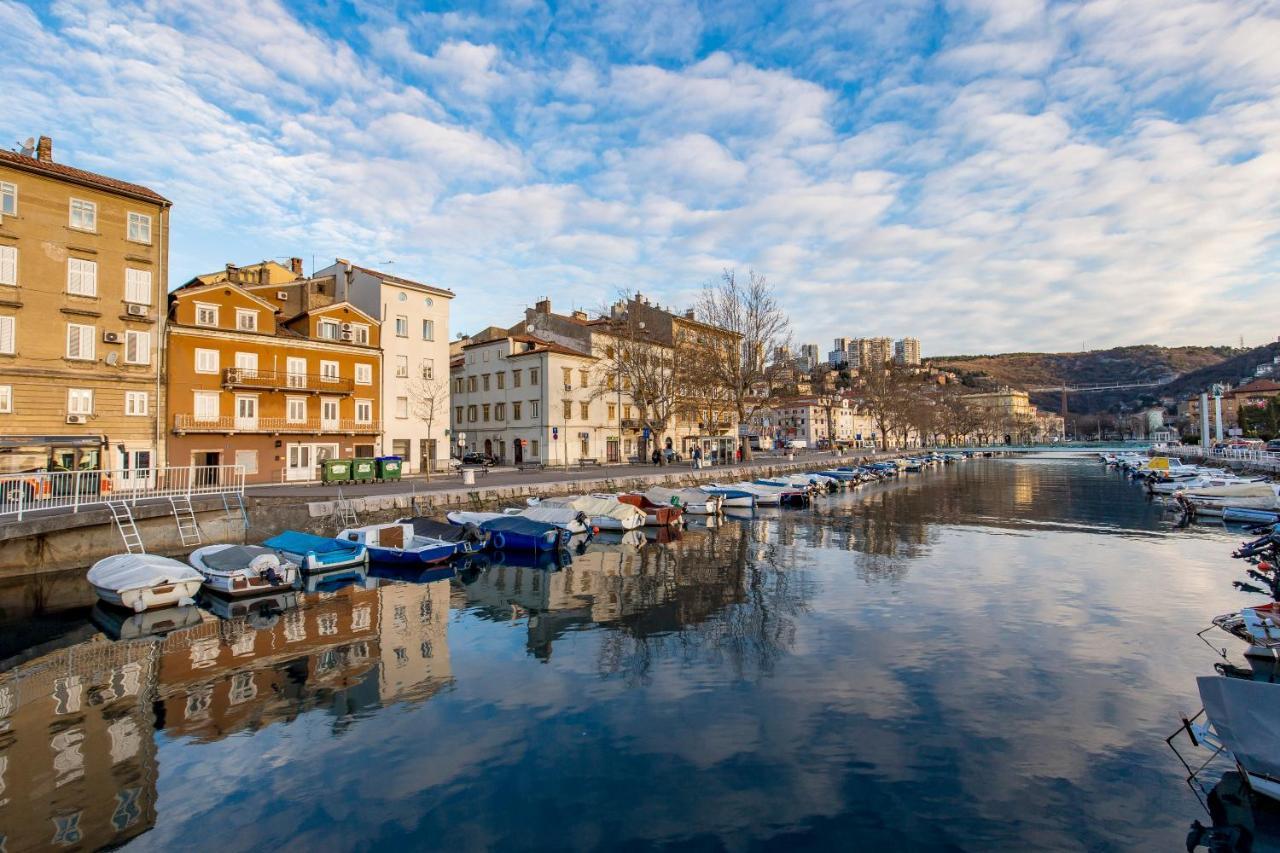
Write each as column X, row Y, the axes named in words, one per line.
column 986, row 657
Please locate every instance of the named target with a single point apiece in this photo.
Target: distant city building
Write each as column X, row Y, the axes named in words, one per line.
column 808, row 359
column 906, row 352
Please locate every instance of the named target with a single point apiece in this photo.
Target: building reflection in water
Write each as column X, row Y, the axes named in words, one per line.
column 78, row 763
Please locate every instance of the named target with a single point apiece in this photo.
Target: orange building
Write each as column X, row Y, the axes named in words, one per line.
column 257, row 380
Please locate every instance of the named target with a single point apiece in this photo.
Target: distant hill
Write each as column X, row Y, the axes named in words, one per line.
column 1178, row 370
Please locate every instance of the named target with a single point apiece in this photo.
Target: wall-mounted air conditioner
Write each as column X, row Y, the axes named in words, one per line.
column 111, row 337
column 137, row 310
column 77, row 419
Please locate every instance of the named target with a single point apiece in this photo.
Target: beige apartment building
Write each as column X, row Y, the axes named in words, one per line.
column 83, row 273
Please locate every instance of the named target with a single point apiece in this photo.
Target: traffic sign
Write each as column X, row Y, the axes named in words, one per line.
column 555, row 433
column 646, row 433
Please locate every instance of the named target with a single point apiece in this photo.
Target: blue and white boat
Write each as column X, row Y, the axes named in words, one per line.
column 398, row 544
column 314, row 554
column 731, row 498
column 513, row 532
column 469, row 538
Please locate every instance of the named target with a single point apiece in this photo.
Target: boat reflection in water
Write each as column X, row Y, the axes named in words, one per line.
column 78, row 761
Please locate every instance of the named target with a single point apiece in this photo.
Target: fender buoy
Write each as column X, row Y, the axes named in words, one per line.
column 499, row 540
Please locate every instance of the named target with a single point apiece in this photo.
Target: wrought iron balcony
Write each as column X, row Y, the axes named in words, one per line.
column 279, row 380
column 227, row 425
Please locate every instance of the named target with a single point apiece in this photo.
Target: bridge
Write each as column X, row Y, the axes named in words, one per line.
column 1064, row 390
column 1079, row 447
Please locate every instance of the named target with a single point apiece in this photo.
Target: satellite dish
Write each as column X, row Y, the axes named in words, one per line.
column 29, row 146
column 112, row 358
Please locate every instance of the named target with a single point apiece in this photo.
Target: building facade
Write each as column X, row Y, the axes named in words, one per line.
column 906, row 352
column 83, row 273
column 274, row 390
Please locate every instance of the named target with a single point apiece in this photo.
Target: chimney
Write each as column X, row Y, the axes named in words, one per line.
column 233, row 272
column 689, row 314
column 295, row 264
column 44, row 149
column 264, row 275
column 580, row 315
column 542, row 306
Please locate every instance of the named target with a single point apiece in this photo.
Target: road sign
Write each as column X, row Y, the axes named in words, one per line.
column 555, row 433
column 645, row 433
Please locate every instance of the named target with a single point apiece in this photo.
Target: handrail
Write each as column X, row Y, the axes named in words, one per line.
column 183, row 423
column 283, row 380
column 57, row 492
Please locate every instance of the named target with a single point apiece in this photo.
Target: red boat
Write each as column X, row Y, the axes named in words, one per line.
column 655, row 514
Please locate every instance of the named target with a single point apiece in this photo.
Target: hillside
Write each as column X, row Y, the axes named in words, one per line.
column 1177, row 369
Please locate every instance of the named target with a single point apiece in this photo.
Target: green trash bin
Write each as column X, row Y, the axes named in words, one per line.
column 389, row 467
column 335, row 471
column 364, row 470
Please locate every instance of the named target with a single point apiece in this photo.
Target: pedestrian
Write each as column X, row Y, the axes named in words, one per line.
column 657, row 456
column 738, row 455
column 697, row 456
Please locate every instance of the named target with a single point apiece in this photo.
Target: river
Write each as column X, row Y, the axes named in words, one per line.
column 982, row 657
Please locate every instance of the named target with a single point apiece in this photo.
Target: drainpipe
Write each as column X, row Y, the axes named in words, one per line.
column 162, row 315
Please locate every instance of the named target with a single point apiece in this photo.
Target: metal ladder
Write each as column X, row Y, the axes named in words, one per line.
column 346, row 512
column 123, row 518
column 233, row 507
column 188, row 530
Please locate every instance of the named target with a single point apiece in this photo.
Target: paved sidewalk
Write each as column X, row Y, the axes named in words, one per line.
column 500, row 476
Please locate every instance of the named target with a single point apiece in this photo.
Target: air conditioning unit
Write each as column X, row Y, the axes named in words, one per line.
column 77, row 419
column 346, row 327
column 111, row 337
column 137, row 310
column 282, row 294
column 348, row 336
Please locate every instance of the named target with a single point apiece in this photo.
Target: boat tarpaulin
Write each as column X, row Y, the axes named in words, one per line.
column 551, row 514
column 139, row 571
column 296, row 542
column 235, row 558
column 448, row 532
column 1246, row 716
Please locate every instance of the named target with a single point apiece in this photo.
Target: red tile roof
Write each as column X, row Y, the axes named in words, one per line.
column 80, row 176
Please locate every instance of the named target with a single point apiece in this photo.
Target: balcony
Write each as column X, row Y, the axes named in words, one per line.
column 276, row 380
column 184, row 424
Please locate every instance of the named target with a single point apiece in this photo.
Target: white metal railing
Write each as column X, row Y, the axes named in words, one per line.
column 55, row 492
column 311, row 426
column 1260, row 459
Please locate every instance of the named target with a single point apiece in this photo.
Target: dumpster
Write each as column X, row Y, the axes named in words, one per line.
column 364, row 470
column 335, row 471
column 389, row 467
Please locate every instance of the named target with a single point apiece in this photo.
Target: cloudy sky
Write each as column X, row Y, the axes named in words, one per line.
column 986, row 174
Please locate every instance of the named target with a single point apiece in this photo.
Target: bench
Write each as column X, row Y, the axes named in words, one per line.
column 587, row 460
column 634, row 460
column 480, row 471
column 530, row 466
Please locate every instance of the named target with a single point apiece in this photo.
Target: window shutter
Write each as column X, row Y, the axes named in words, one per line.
column 73, row 341
column 6, row 334
column 8, row 265
column 138, row 286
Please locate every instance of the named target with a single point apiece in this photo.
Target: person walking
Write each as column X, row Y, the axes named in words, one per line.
column 697, row 456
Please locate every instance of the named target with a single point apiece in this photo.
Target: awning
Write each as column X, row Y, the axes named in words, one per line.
column 11, row 442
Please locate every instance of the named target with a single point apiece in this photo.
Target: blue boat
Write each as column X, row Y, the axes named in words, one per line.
column 732, row 498
column 469, row 538
column 397, row 543
column 318, row 553
column 514, row 533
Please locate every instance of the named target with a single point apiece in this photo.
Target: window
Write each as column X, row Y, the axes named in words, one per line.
column 296, row 368
column 136, row 404
column 500, row 411
column 471, row 414
column 9, row 265
column 7, row 335
column 515, row 411
column 296, row 410
column 485, row 413
column 533, row 448
column 402, row 326
column 428, row 330
column 364, row 374
column 247, row 361
column 364, row 410
column 206, row 405
column 533, row 376
column 139, row 228
column 246, row 320
column 457, row 385
column 206, row 315
column 84, row 215
column 137, row 286
column 82, row 277
column 206, row 361
column 328, row 371
column 79, row 401
column 6, row 399
column 248, row 460
column 533, row 409
column 484, row 381
column 402, row 407
column 586, row 410
column 568, row 376
column 613, row 412
column 330, row 330
column 515, row 378
column 402, row 367
column 568, row 409
column 360, row 333
column 137, row 347
column 502, row 380
column 8, row 199
column 457, row 414
column 583, row 378
column 471, row 385
column 81, row 341
column 429, row 369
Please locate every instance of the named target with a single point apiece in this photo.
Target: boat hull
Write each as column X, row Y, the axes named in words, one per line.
column 139, row 599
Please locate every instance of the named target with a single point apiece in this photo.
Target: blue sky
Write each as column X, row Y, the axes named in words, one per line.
column 988, row 175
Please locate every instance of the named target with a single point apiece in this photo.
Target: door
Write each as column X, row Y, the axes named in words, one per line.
column 246, row 411
column 328, row 414
column 247, row 365
column 300, row 464
column 135, row 470
column 517, row 448
column 427, row 450
column 297, row 370
column 488, row 447
column 611, row 450
column 206, row 464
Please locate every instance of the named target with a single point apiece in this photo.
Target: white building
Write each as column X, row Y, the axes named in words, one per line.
column 415, row 353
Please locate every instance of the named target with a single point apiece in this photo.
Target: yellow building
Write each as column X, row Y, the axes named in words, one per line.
column 83, row 273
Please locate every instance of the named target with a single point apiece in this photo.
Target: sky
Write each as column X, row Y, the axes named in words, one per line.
column 986, row 175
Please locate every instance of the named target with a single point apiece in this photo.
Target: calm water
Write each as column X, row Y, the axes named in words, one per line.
column 985, row 657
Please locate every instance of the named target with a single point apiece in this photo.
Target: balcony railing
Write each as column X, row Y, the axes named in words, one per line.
column 279, row 380
column 275, row 426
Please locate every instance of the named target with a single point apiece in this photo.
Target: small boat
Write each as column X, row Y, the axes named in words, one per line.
column 565, row 518
column 1245, row 515
column 469, row 538
column 1169, row 486
column 1212, row 501
column 1258, row 627
column 512, row 532
column 693, row 501
column 318, row 553
column 655, row 514
column 731, row 498
column 604, row 513
column 1243, row 718
column 397, row 543
column 243, row 569
column 121, row 624
column 141, row 582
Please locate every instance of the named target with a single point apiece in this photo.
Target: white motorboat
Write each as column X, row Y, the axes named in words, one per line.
column 566, row 518
column 731, row 498
column 1243, row 717
column 244, row 569
column 1212, row 501
column 144, row 581
column 694, row 501
column 1200, row 481
column 602, row 513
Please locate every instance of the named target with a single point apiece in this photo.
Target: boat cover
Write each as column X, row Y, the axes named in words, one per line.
column 139, row 571
column 519, row 524
column 1246, row 716
column 556, row 515
column 433, row 529
column 662, row 495
column 236, row 557
column 597, row 506
column 460, row 517
column 296, row 542
column 1238, row 490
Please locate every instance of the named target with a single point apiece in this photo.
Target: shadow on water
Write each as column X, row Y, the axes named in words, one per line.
column 965, row 659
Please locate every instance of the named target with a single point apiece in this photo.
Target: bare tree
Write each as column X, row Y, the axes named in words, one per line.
column 428, row 398
column 744, row 366
column 883, row 392
column 636, row 369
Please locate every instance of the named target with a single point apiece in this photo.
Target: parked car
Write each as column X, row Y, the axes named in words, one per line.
column 797, row 444
column 1273, row 446
column 477, row 458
